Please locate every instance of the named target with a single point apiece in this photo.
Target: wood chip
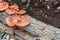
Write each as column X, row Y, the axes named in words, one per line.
column 42, row 27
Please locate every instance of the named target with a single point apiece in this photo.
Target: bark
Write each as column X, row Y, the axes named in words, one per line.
column 34, row 29
column 49, row 31
column 18, row 34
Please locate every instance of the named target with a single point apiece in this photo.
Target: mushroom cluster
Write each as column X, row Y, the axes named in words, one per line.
column 16, row 19
column 3, row 5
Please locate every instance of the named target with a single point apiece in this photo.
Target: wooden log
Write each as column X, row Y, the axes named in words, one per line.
column 18, row 38
column 49, row 31
column 10, row 30
column 34, row 29
column 24, row 35
column 6, row 29
column 17, row 32
column 18, row 35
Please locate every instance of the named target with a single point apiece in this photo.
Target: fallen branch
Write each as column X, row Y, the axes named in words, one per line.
column 49, row 31
column 34, row 29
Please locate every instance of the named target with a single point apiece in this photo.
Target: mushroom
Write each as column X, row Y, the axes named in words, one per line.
column 3, row 6
column 21, row 22
column 20, row 11
column 9, row 21
column 0, row 0
column 14, row 6
column 16, row 17
column 10, row 11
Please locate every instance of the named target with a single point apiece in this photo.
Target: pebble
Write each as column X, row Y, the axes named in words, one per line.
column 45, row 15
column 58, row 7
column 48, row 7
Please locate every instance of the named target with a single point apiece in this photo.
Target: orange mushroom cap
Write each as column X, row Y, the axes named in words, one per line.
column 20, row 11
column 0, row 0
column 10, row 11
column 22, row 22
column 9, row 21
column 3, row 6
column 14, row 6
column 16, row 17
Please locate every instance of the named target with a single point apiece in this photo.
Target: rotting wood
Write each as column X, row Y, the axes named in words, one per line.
column 17, row 33
column 6, row 29
column 42, row 27
column 34, row 29
column 20, row 35
column 24, row 35
column 49, row 31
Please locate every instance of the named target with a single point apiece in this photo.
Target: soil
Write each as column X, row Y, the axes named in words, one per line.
column 41, row 11
column 47, row 16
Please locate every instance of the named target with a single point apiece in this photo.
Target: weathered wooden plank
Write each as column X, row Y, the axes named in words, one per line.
column 17, row 33
column 23, row 35
column 34, row 29
column 49, row 31
column 18, row 38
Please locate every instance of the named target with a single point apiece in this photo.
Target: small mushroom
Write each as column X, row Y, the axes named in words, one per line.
column 14, row 6
column 3, row 6
column 20, row 11
column 21, row 22
column 9, row 21
column 10, row 11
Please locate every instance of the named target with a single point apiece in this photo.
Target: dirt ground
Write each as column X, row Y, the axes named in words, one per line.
column 47, row 16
